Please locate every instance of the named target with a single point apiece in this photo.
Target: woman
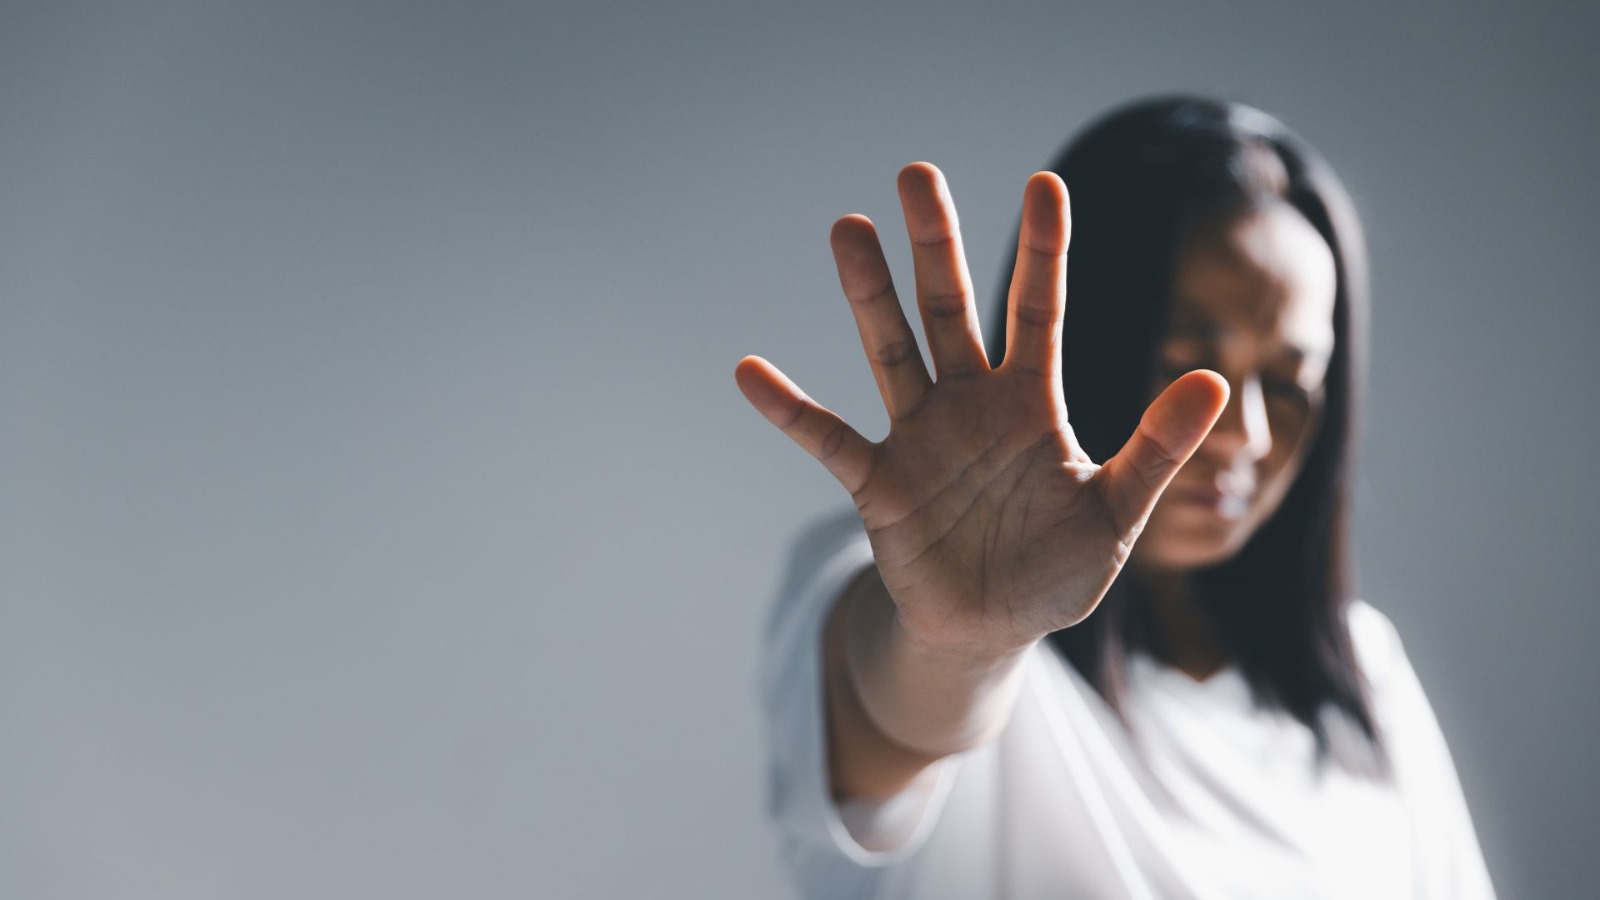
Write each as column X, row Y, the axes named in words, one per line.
column 965, row 698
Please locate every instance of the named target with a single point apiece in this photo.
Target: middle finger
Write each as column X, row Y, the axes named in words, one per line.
column 944, row 289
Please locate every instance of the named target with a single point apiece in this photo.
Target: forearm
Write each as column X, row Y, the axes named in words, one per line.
column 896, row 707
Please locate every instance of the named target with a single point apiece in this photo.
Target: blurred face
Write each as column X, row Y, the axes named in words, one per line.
column 1253, row 301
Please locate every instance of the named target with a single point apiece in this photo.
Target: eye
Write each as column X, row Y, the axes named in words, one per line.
column 1285, row 388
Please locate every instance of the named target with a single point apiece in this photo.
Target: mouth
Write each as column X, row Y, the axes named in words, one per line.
column 1227, row 504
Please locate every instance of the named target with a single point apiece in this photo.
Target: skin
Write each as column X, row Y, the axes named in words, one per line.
column 1253, row 300
column 990, row 527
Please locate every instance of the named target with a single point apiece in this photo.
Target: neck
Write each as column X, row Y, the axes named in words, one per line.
column 1192, row 644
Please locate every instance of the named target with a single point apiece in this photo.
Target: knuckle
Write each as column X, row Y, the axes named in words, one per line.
column 1035, row 315
column 946, row 234
column 897, row 353
column 795, row 418
column 1155, row 462
column 945, row 303
column 832, row 441
column 875, row 296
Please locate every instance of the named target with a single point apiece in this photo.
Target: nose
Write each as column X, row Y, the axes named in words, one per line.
column 1242, row 430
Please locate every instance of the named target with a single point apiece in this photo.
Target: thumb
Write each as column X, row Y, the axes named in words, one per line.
column 1168, row 434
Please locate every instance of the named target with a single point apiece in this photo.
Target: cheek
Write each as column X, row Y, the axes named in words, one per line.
column 1182, row 539
column 1294, row 429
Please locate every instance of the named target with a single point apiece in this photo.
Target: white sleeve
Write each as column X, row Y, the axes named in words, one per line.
column 1447, row 861
column 833, row 852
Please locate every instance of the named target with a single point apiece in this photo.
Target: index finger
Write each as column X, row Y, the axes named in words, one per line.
column 885, row 334
column 944, row 289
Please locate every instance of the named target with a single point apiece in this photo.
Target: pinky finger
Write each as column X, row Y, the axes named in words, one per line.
column 819, row 431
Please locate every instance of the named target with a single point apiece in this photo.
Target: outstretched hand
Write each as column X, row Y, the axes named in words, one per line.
column 989, row 524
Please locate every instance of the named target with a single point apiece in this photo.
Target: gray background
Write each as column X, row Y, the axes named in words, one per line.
column 380, row 518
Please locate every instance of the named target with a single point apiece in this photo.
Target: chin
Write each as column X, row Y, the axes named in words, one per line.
column 1188, row 548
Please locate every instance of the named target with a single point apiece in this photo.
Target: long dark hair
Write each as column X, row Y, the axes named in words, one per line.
column 1141, row 179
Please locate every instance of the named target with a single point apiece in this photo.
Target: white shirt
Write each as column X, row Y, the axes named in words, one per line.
column 1207, row 797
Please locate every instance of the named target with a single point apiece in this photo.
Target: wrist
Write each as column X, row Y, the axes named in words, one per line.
column 954, row 654
column 962, row 647
column 929, row 697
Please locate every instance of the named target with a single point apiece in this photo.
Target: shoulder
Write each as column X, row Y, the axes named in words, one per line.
column 825, row 554
column 1377, row 644
column 825, row 536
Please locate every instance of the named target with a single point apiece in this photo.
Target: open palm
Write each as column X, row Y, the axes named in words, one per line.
column 989, row 525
